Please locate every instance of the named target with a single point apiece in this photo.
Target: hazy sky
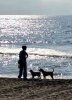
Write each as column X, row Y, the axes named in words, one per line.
column 36, row 7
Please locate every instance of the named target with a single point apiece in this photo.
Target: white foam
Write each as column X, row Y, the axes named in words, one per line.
column 48, row 52
column 36, row 51
column 6, row 50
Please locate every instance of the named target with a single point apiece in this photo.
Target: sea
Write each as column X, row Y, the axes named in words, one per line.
column 48, row 40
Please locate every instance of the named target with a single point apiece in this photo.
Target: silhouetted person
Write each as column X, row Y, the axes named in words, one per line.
column 22, row 63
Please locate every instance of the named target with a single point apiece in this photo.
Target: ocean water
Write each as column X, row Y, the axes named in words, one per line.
column 48, row 40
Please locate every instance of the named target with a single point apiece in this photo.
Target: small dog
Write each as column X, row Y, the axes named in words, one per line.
column 45, row 73
column 35, row 74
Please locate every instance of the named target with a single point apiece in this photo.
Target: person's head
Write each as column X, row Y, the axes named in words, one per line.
column 24, row 47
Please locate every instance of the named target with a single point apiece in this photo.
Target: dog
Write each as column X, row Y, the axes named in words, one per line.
column 45, row 73
column 35, row 74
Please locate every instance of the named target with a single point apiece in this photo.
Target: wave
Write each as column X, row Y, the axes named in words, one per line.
column 49, row 52
column 63, row 56
column 36, row 51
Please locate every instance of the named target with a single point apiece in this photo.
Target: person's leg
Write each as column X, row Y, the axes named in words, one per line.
column 25, row 71
column 20, row 72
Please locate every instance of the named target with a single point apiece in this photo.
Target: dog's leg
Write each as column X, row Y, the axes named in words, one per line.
column 44, row 76
column 52, row 76
column 32, row 77
column 40, row 76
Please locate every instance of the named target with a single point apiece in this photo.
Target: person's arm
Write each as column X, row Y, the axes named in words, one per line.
column 26, row 55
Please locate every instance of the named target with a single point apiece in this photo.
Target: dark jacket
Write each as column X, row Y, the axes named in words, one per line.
column 22, row 57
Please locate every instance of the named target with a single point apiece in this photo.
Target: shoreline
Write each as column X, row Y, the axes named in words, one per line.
column 35, row 89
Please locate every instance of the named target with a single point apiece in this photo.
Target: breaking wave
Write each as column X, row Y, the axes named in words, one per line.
column 37, row 51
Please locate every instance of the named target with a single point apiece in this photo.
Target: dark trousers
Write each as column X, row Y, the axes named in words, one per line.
column 23, row 71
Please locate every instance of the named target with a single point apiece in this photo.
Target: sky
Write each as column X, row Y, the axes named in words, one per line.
column 35, row 7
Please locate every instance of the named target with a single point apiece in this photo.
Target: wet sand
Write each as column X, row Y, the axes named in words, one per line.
column 37, row 89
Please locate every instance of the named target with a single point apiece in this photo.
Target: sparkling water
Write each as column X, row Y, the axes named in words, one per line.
column 48, row 40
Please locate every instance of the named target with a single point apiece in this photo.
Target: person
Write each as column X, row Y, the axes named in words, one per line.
column 22, row 64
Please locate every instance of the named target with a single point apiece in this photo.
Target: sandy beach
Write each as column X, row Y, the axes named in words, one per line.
column 37, row 89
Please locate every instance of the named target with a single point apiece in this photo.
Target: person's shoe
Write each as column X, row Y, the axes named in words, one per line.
column 19, row 77
column 24, row 78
